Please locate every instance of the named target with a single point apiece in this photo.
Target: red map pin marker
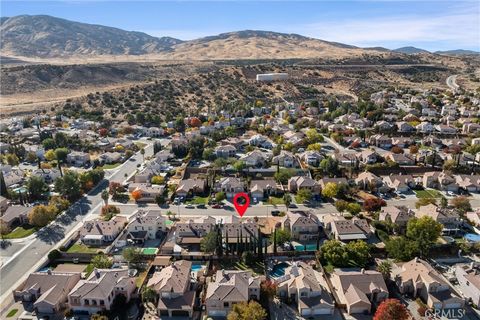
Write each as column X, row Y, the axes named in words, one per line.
column 241, row 207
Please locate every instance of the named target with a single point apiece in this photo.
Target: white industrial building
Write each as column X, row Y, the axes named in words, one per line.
column 272, row 76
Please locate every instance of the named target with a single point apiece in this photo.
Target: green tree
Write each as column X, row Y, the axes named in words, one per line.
column 36, row 187
column 313, row 136
column 209, row 243
column 354, row 208
column 314, row 147
column 283, row 175
column 329, row 166
column 247, row 311
column 425, row 202
column 401, row 248
column 462, row 204
column 105, row 196
column 131, row 255
column 50, row 155
column 149, row 295
column 281, row 236
column 425, row 232
column 248, row 258
column 220, row 196
column 330, row 190
column 69, row 186
column 385, row 268
column 358, row 252
column 239, row 165
column 304, row 195
column 48, row 144
column 333, row 253
column 341, row 205
column 41, row 215
column 101, row 261
column 12, row 159
column 287, row 198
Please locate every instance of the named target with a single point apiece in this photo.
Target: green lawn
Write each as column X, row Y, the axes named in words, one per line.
column 257, row 268
column 109, row 166
column 11, row 313
column 81, row 248
column 140, row 145
column 20, row 232
column 197, row 200
column 428, row 194
column 89, row 269
column 276, row 200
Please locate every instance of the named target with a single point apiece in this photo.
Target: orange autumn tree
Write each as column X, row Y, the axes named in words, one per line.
column 137, row 194
column 391, row 309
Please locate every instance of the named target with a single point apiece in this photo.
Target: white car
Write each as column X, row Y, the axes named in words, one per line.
column 450, row 193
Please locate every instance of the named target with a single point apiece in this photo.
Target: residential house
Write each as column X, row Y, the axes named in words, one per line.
column 176, row 295
column 15, row 215
column 262, row 189
column 111, row 157
column 303, row 226
column 400, row 183
column 229, row 288
column 470, row 183
column 312, row 158
column 419, row 279
column 358, row 290
column 145, row 225
column 234, row 229
column 307, row 288
column 301, row 182
column 405, row 127
column 230, row 186
column 474, row 217
column 448, row 218
column 346, row 159
column 261, row 141
column 445, row 129
column 12, row 176
column 149, row 192
column 470, row 127
column 285, row 159
column 468, row 277
column 48, row 175
column 190, row 187
column 369, row 181
column 101, row 232
column 399, row 215
column 192, row 231
column 99, row 290
column 440, row 181
column 400, row 159
column 225, row 151
column 402, row 142
column 3, row 204
column 78, row 158
column 339, row 228
column 368, row 156
column 255, row 158
column 425, row 127
column 380, row 141
column 47, row 290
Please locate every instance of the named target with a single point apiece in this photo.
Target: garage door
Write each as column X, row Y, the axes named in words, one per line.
column 321, row 311
column 306, row 312
column 217, row 313
column 180, row 313
column 358, row 310
column 453, row 305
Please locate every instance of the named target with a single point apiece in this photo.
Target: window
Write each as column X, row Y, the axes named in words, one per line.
column 102, row 303
column 86, row 302
column 303, row 294
column 225, row 304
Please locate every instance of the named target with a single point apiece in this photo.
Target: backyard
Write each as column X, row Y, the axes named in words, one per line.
column 258, row 267
column 81, row 248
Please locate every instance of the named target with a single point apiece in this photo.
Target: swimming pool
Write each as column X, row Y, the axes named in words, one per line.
column 472, row 237
column 309, row 247
column 149, row 251
column 279, row 270
column 197, row 267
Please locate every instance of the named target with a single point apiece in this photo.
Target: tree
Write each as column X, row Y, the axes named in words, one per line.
column 48, row 144
column 157, row 180
column 313, row 136
column 248, row 258
column 220, row 196
column 142, row 152
column 359, row 252
column 341, row 205
column 391, row 309
column 101, row 261
column 239, row 165
column 4, row 229
column 314, row 147
column 449, row 165
column 247, row 311
column 61, row 154
column 32, row 157
column 425, row 232
column 41, row 215
column 136, row 194
column 355, row 253
column 280, row 236
column 12, row 159
column 333, row 253
column 413, row 149
column 59, row 203
column 3, row 185
column 105, row 197
column 330, row 190
column 36, row 187
column 354, row 208
column 373, row 204
column 462, row 204
column 283, row 175
column 425, row 202
column 401, row 248
column 209, row 243
column 287, row 198
column 385, row 268
column 49, row 155
column 268, row 289
column 304, row 195
column 149, row 295
column 69, row 186
column 131, row 255
column 329, row 166
column 54, row 255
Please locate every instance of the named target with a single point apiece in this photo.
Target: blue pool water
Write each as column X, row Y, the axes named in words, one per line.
column 197, row 267
column 472, row 237
column 310, row 247
column 279, row 270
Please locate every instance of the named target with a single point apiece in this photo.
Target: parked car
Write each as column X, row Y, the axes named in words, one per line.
column 275, row 213
column 189, row 206
column 216, row 206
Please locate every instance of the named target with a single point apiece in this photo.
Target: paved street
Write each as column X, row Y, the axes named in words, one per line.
column 34, row 253
column 451, row 82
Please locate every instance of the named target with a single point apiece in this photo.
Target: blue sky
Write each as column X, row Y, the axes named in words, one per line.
column 432, row 25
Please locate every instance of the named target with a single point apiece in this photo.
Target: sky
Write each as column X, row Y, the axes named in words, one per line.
column 431, row 25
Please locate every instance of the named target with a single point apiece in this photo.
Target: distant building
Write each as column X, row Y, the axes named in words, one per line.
column 272, row 76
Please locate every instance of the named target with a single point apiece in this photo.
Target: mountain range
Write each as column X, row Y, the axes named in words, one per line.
column 42, row 36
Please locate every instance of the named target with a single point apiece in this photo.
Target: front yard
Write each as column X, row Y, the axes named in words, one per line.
column 428, row 194
column 109, row 166
column 20, row 232
column 197, row 200
column 81, row 248
column 276, row 200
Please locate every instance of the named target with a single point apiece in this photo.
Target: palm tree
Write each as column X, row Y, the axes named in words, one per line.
column 105, row 196
column 385, row 268
column 142, row 152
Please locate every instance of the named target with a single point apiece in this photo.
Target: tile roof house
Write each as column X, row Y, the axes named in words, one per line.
column 149, row 191
column 468, row 277
column 307, row 287
column 300, row 182
column 262, row 189
column 312, row 158
column 286, row 159
column 188, row 187
column 346, row 230
column 228, row 288
column 47, row 290
column 78, row 158
column 368, row 156
column 230, row 186
column 48, row 175
column 15, row 215
column 399, row 183
column 194, row 230
column 419, row 279
column 470, row 183
column 400, row 215
column 174, row 288
column 368, row 181
column 236, row 228
column 98, row 291
column 440, row 181
column 225, row 151
column 449, row 218
column 255, row 158
column 357, row 290
column 302, row 225
column 400, row 159
column 380, row 141
column 101, row 232
column 146, row 225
